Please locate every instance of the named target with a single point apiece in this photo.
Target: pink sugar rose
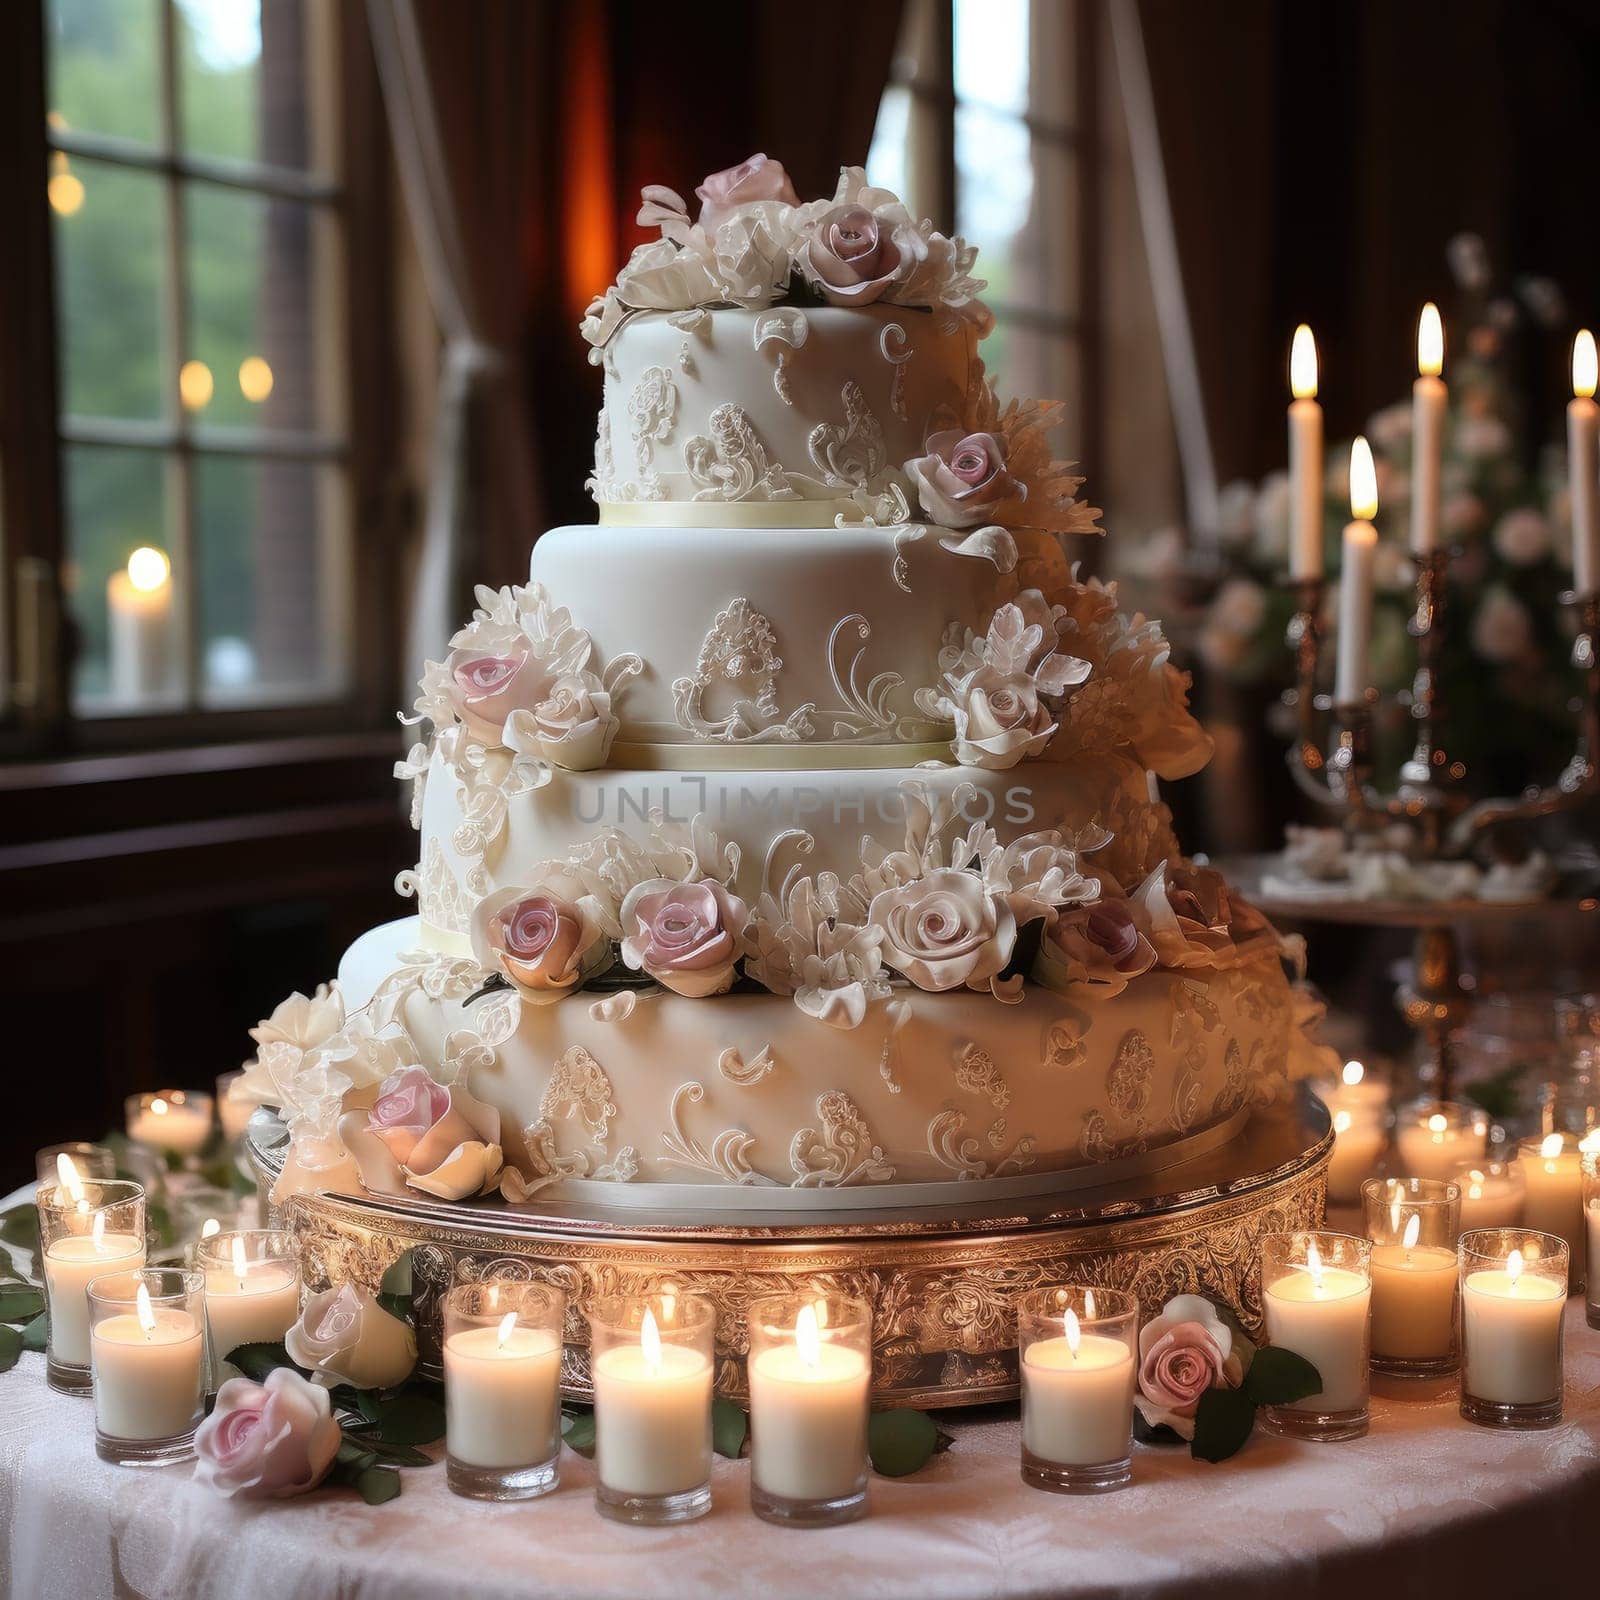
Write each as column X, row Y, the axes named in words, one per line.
column 1182, row 1353
column 962, row 478
column 1094, row 951
column 489, row 688
column 539, row 939
column 267, row 1440
column 422, row 1135
column 685, row 935
column 754, row 179
column 414, row 1118
column 851, row 260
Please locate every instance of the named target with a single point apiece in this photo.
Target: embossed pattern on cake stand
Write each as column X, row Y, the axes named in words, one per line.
column 942, row 1282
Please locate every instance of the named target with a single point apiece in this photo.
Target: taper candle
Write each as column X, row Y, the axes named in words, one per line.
column 1305, row 459
column 1583, row 466
column 1429, row 404
column 1351, row 674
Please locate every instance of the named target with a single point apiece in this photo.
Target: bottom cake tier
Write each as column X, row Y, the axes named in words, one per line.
column 744, row 1102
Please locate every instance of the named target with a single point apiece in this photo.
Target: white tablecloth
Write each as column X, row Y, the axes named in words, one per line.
column 1424, row 1504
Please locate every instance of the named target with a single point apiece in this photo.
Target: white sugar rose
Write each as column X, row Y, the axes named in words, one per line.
column 345, row 1336
column 660, row 276
column 602, row 319
column 962, row 477
column 945, row 930
column 851, row 257
column 303, row 1021
column 750, row 254
column 687, row 936
column 755, row 178
column 571, row 725
column 1000, row 720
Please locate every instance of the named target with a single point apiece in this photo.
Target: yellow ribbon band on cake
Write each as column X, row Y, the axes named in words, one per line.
column 784, row 757
column 726, row 513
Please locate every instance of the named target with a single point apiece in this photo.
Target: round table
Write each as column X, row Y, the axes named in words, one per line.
column 1425, row 1505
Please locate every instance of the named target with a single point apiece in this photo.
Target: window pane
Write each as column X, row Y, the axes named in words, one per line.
column 273, row 602
column 259, row 274
column 246, row 71
column 109, row 264
column 105, row 72
column 886, row 159
column 1043, row 366
column 991, row 52
column 116, row 504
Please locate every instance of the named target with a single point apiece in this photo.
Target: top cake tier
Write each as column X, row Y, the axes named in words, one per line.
column 782, row 416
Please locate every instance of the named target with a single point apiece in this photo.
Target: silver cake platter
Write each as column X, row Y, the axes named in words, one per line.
column 942, row 1279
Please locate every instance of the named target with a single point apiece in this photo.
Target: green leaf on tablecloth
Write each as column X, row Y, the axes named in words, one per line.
column 36, row 1336
column 257, row 1360
column 1279, row 1377
column 20, row 1302
column 1222, row 1423
column 20, row 1227
column 395, row 1455
column 10, row 1347
column 577, row 1428
column 900, row 1442
column 355, row 1456
column 411, row 1417
column 377, row 1485
column 173, row 1160
column 730, row 1427
column 1153, row 1433
column 394, row 1289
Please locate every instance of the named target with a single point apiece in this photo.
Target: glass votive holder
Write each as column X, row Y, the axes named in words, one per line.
column 1513, row 1296
column 502, row 1388
column 1412, row 1223
column 810, row 1373
column 1553, row 1195
column 148, row 1351
column 1492, row 1194
column 252, row 1292
column 234, row 1115
column 1078, row 1350
column 1590, row 1168
column 1432, row 1137
column 176, row 1121
column 97, row 1161
column 652, row 1360
column 85, row 1229
column 1316, row 1291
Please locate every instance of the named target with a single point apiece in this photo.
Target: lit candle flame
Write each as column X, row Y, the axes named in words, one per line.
column 1551, row 1147
column 241, row 1267
column 808, row 1337
column 1583, row 365
column 69, row 1178
column 1303, row 364
column 1314, row 1265
column 1354, row 1072
column 210, row 1228
column 1437, row 1124
column 1475, row 1190
column 507, row 1324
column 147, row 1315
column 148, row 569
column 1514, row 1267
column 159, row 1107
column 1363, row 481
column 1413, row 1231
column 1074, row 1333
column 1430, row 342
column 1341, row 1122
column 650, row 1342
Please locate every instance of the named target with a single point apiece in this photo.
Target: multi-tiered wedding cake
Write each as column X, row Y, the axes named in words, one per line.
column 795, row 829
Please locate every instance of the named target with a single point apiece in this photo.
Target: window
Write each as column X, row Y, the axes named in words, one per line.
column 988, row 119
column 197, row 238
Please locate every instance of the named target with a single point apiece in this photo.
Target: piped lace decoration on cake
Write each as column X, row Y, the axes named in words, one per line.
column 601, row 483
column 893, row 334
column 847, row 457
column 652, row 411
column 732, row 463
column 900, row 569
column 688, row 323
column 614, row 1007
column 1238, row 1075
column 1130, row 1077
column 787, row 328
column 842, row 1152
column 441, row 901
column 733, row 1066
column 727, row 1156
column 1061, row 1045
column 578, row 1092
column 976, row 1073
column 962, row 1153
column 739, row 656
column 899, row 1014
column 984, row 544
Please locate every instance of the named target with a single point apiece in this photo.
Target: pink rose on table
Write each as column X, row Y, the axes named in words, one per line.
column 488, row 688
column 421, row 1135
column 684, row 935
column 754, row 179
column 1094, row 951
column 267, row 1440
column 1182, row 1353
column 849, row 257
column 945, row 929
column 962, row 478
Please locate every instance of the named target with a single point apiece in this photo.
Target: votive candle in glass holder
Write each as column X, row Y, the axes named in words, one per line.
column 502, row 1388
column 1358, row 1140
column 252, row 1290
column 97, row 1161
column 1412, row 1223
column 1554, row 1196
column 1432, row 1137
column 1590, row 1168
column 174, row 1120
column 148, row 1351
column 86, row 1228
column 1316, row 1293
column 652, row 1361
column 1513, row 1296
column 1078, row 1352
column 810, row 1373
column 234, row 1114
column 1492, row 1194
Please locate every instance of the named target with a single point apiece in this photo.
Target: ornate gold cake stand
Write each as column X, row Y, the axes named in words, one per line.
column 942, row 1281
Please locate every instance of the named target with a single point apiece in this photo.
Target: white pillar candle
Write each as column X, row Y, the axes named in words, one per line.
column 1592, row 1216
column 140, row 626
column 149, row 1372
column 1322, row 1315
column 249, row 1302
column 1429, row 404
column 1355, row 1092
column 1583, row 466
column 1511, row 1323
column 501, row 1395
column 1554, row 1199
column 1352, row 674
column 1413, row 1301
column 172, row 1120
column 1305, row 459
column 652, row 1416
column 1491, row 1195
column 1077, row 1398
column 234, row 1113
column 1358, row 1141
column 1432, row 1144
column 69, row 1264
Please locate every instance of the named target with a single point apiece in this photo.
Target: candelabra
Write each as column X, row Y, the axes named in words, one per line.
column 1332, row 762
